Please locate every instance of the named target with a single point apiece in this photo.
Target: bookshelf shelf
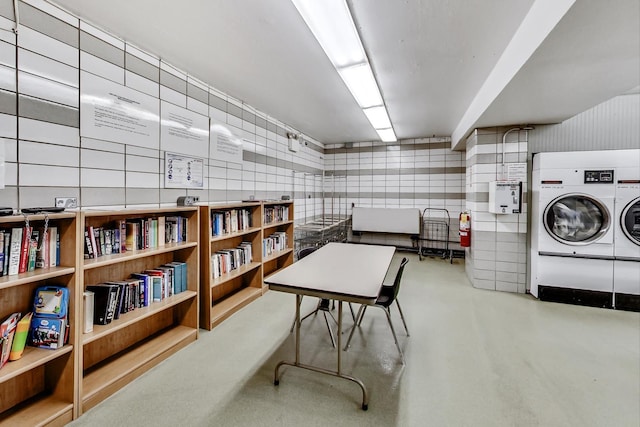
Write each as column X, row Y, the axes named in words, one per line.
column 232, row 303
column 218, row 281
column 111, row 375
column 31, row 358
column 278, row 254
column 276, row 224
column 40, row 411
column 239, row 233
column 39, row 388
column 127, row 319
column 36, row 275
column 114, row 354
column 131, row 255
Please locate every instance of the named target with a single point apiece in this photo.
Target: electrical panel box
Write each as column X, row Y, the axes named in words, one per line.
column 505, row 197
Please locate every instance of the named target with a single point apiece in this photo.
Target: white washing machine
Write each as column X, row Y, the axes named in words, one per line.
column 626, row 265
column 572, row 251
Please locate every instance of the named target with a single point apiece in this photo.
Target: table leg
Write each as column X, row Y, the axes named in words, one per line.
column 338, row 373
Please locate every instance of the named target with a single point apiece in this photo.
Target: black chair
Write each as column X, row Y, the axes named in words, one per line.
column 388, row 294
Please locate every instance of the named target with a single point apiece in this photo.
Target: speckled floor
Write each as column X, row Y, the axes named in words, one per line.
column 474, row 358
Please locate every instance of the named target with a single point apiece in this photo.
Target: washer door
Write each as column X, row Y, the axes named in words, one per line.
column 576, row 219
column 630, row 221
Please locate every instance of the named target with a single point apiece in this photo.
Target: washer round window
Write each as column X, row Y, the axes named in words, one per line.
column 631, row 221
column 576, row 219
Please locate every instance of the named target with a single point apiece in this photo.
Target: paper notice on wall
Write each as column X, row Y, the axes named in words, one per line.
column 182, row 171
column 225, row 145
column 517, row 172
column 183, row 131
column 112, row 112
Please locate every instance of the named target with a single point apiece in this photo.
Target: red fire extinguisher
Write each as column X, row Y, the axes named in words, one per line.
column 465, row 229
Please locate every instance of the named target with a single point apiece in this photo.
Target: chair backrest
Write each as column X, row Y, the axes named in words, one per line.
column 306, row 251
column 395, row 288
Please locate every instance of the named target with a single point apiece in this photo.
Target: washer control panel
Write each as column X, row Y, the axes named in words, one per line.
column 598, row 177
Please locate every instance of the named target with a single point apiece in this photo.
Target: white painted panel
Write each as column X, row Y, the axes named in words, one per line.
column 142, row 164
column 35, row 130
column 7, row 78
column 99, row 145
column 47, row 67
column 102, row 68
column 386, row 220
column 172, row 70
column 7, row 25
column 142, row 84
column 47, row 46
column 48, row 154
column 117, row 113
column 11, row 174
column 173, row 96
column 50, row 90
column 183, row 131
column 142, row 55
column 88, row 28
column 48, row 176
column 8, row 126
column 101, row 178
column 8, row 54
column 142, row 180
column 54, row 11
column 101, row 159
column 197, row 106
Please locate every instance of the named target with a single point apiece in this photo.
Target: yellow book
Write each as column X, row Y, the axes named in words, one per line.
column 20, row 337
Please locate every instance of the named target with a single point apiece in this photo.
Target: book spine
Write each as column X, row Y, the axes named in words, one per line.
column 24, row 254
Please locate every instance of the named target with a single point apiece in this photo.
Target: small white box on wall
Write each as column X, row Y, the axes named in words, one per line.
column 294, row 142
column 505, row 197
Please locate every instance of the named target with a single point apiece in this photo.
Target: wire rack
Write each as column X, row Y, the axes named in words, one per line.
column 434, row 233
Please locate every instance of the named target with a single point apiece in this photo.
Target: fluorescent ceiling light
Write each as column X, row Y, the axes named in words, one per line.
column 386, row 135
column 360, row 81
column 378, row 117
column 331, row 23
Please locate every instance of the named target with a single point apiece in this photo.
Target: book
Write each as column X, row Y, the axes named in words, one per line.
column 89, row 253
column 33, row 249
column 122, row 225
column 42, row 255
column 20, row 337
column 2, row 233
column 7, row 248
column 15, row 251
column 104, row 303
column 7, row 331
column 131, row 237
column 161, row 231
column 146, row 286
column 24, row 251
column 88, row 297
column 54, row 247
column 158, row 280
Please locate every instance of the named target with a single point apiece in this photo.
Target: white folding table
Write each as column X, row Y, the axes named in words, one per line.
column 338, row 271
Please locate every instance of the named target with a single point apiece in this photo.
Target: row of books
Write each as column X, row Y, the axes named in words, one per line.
column 278, row 241
column 27, row 248
column 46, row 326
column 276, row 214
column 227, row 260
column 230, row 221
column 133, row 234
column 113, row 298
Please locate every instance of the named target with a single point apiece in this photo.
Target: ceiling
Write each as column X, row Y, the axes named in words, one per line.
column 444, row 67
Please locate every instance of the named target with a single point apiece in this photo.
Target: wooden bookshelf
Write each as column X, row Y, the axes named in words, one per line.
column 115, row 354
column 222, row 296
column 39, row 388
column 282, row 258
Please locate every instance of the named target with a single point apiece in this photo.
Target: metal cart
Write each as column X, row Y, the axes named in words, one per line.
column 434, row 235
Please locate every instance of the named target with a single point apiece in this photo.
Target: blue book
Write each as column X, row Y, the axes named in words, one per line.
column 145, row 282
